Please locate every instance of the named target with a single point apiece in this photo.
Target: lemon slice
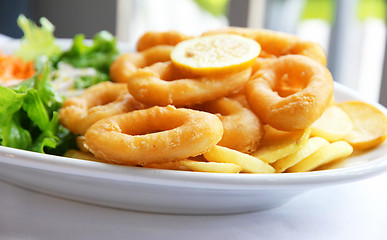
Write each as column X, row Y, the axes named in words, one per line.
column 215, row 54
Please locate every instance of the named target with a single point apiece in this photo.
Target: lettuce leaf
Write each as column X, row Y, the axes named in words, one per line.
column 37, row 41
column 215, row 7
column 99, row 55
column 11, row 132
column 29, row 116
column 87, row 81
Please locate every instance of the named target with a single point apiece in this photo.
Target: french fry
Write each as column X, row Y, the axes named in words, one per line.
column 247, row 162
column 72, row 153
column 80, row 141
column 369, row 125
column 173, row 165
column 279, row 144
column 211, row 166
column 325, row 154
column 311, row 146
column 333, row 125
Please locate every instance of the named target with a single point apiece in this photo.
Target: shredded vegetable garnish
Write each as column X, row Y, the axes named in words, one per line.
column 13, row 69
column 66, row 77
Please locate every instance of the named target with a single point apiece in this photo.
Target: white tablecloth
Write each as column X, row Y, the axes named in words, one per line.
column 350, row 211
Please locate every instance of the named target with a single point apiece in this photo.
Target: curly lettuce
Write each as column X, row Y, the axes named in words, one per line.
column 29, row 116
column 99, row 55
column 37, row 41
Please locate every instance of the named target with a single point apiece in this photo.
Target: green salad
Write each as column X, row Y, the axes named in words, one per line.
column 29, row 110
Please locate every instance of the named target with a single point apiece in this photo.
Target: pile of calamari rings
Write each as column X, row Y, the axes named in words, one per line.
column 154, row 113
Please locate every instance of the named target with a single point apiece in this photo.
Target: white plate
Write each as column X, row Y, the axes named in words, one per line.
column 177, row 192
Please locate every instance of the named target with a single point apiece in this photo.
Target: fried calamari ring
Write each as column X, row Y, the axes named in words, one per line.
column 99, row 101
column 260, row 63
column 240, row 97
column 242, row 129
column 126, row 64
column 291, row 93
column 162, row 84
column 153, row 38
column 154, row 135
column 277, row 44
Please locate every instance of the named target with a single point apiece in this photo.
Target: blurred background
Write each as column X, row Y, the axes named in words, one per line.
column 352, row 32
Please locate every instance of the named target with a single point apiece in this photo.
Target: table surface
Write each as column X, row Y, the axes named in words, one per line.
column 355, row 210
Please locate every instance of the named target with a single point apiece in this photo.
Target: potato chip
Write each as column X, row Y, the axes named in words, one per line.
column 279, row 144
column 325, row 154
column 311, row 146
column 369, row 125
column 333, row 125
column 247, row 162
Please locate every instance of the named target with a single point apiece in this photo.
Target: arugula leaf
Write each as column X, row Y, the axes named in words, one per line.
column 37, row 41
